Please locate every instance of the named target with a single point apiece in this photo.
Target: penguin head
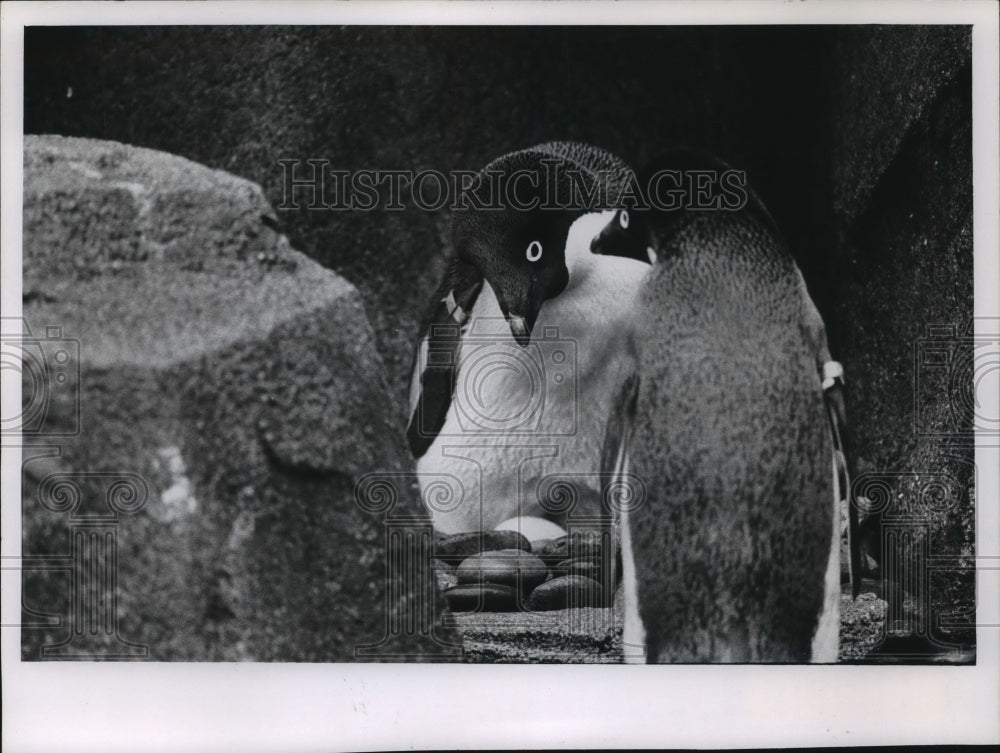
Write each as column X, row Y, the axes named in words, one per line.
column 509, row 227
column 626, row 234
column 523, row 257
column 668, row 199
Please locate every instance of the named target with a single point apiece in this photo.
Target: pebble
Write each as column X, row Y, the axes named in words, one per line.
column 487, row 598
column 508, row 567
column 532, row 527
column 495, row 568
column 587, row 567
column 566, row 591
column 553, row 551
column 579, row 545
column 444, row 574
column 455, row 548
column 539, row 545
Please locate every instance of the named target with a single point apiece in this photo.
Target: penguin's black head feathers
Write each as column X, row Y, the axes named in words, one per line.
column 675, row 188
column 512, row 224
column 521, row 254
column 626, row 234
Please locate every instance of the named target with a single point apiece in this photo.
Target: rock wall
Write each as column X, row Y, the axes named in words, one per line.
column 903, row 315
column 197, row 471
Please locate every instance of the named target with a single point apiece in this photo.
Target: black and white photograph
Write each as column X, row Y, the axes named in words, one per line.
column 354, row 350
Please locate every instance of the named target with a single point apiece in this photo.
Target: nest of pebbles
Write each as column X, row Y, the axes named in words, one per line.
column 502, row 571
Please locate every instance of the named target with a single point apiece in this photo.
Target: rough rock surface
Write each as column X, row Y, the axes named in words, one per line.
column 889, row 77
column 862, row 625
column 902, row 321
column 223, row 412
column 578, row 636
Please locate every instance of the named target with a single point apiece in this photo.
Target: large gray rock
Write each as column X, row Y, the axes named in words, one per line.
column 224, row 413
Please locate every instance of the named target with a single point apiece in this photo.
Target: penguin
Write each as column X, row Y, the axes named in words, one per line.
column 514, row 377
column 732, row 554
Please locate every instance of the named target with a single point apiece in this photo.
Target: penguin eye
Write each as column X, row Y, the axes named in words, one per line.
column 623, row 219
column 534, row 252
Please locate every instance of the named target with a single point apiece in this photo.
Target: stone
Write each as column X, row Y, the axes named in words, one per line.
column 566, row 591
column 445, row 574
column 579, row 544
column 455, row 548
column 557, row 548
column 586, row 567
column 537, row 547
column 509, row 567
column 533, row 528
column 441, row 565
column 227, row 417
column 581, row 636
column 862, row 625
column 491, row 597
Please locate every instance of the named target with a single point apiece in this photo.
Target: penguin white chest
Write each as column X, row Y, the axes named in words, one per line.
column 505, row 391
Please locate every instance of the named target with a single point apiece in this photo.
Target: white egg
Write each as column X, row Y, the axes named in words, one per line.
column 533, row 529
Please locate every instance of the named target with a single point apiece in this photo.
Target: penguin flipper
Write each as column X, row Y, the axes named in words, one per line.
column 435, row 363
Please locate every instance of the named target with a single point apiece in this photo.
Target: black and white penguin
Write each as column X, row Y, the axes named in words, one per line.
column 513, row 380
column 733, row 554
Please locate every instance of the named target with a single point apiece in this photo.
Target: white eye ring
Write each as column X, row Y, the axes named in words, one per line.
column 534, row 252
column 623, row 218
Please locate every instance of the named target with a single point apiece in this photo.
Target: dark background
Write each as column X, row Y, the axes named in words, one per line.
column 857, row 138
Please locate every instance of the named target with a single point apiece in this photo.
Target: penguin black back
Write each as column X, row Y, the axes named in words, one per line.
column 731, row 442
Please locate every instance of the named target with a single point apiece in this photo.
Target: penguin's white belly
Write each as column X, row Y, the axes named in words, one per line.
column 521, row 416
column 826, row 640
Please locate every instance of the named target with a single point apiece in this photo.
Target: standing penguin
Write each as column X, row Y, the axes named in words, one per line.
column 733, row 555
column 513, row 380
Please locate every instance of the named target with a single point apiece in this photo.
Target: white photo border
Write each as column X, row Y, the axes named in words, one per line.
column 249, row 707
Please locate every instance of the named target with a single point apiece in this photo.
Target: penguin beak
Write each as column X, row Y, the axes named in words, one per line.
column 522, row 305
column 520, row 329
column 600, row 244
column 613, row 242
column 521, row 318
